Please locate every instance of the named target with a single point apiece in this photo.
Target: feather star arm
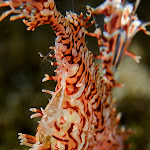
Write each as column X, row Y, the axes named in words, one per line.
column 120, row 25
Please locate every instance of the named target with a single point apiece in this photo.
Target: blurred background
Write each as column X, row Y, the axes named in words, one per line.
column 21, row 72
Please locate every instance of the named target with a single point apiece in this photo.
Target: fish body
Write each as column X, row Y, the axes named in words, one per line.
column 81, row 114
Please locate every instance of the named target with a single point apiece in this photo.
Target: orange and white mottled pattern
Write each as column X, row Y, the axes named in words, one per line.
column 81, row 114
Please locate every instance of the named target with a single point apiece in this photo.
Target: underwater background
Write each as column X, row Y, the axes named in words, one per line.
column 21, row 72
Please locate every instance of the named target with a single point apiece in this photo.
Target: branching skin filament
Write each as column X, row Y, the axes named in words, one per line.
column 81, row 114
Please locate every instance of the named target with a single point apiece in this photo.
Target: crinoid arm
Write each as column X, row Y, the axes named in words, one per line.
column 120, row 26
column 34, row 13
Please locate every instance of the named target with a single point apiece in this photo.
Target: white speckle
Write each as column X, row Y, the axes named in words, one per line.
column 74, row 52
column 46, row 12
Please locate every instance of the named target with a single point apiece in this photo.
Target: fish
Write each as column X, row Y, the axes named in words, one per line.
column 81, row 115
